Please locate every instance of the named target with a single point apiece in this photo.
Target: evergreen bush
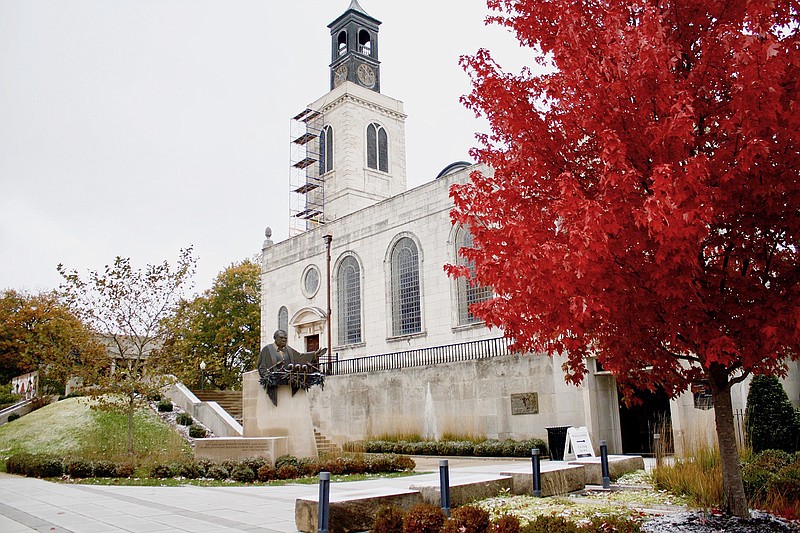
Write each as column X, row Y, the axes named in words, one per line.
column 286, row 460
column 162, row 471
column 165, row 406
column 104, row 468
column 217, row 472
column 287, row 471
column 266, row 473
column 13, row 416
column 184, row 419
column 243, row 473
column 772, row 422
column 197, row 432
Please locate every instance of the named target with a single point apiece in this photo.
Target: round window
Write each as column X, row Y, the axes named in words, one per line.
column 310, row 281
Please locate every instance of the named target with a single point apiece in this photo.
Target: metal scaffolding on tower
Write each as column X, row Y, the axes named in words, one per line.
column 306, row 184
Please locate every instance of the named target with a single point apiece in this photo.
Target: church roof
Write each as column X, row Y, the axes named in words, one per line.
column 354, row 7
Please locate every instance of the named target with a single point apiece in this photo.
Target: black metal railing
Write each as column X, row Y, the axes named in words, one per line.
column 450, row 353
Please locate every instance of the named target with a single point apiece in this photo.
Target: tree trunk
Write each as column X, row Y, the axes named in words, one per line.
column 130, row 426
column 735, row 502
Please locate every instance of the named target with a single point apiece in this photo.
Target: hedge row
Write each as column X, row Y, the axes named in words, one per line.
column 426, row 518
column 286, row 467
column 43, row 465
column 487, row 448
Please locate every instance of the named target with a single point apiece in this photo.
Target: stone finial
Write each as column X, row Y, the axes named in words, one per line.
column 268, row 240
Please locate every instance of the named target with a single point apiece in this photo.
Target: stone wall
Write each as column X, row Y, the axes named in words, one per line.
column 471, row 398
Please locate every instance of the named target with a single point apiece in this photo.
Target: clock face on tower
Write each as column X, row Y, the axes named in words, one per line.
column 366, row 75
column 339, row 75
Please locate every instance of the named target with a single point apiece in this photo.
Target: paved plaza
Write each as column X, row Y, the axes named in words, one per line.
column 28, row 504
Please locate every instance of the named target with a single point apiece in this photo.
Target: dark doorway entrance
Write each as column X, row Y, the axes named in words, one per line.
column 312, row 343
column 639, row 422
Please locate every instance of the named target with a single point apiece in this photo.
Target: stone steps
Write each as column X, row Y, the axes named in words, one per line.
column 324, row 445
column 231, row 401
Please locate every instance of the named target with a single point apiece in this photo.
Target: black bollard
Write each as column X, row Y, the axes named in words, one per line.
column 604, row 464
column 323, row 509
column 537, row 473
column 444, row 485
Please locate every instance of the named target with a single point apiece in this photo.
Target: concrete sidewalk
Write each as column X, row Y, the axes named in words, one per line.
column 28, row 504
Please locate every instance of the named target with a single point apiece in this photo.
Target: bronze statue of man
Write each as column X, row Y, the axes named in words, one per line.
column 278, row 354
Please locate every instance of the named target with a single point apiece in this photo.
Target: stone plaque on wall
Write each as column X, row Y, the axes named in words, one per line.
column 526, row 403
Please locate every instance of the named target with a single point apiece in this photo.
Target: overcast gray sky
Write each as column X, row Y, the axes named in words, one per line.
column 137, row 127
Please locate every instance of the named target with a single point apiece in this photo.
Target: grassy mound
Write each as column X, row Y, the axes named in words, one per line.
column 73, row 428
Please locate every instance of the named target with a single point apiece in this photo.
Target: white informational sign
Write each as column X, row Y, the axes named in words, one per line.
column 578, row 444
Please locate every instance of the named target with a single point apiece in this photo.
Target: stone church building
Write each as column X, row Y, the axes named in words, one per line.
column 362, row 274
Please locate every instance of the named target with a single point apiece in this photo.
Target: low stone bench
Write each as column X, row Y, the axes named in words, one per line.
column 466, row 488
column 617, row 466
column 353, row 510
column 557, row 478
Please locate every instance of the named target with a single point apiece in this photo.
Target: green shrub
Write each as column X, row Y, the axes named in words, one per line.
column 284, row 460
column 505, row 524
column 104, row 468
column 124, row 470
column 388, row 519
column 755, row 481
column 772, row 422
column 467, row 519
column 13, row 416
column 380, row 463
column 189, row 469
column 197, row 432
column 162, row 471
column 523, row 447
column 423, row 518
column 79, row 467
column 218, row 472
column 184, row 419
column 550, row 524
column 266, row 473
column 34, row 465
column 243, row 474
column 772, row 460
column 254, row 463
column 489, row 448
column 786, row 483
column 165, row 406
column 18, row 463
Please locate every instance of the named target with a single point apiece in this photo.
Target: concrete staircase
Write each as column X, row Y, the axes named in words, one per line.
column 324, row 445
column 231, row 400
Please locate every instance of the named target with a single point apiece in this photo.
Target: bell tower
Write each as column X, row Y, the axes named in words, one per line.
column 348, row 148
column 354, row 49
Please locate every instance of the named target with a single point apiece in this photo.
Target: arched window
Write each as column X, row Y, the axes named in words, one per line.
column 283, row 319
column 325, row 150
column 377, row 148
column 341, row 43
column 364, row 43
column 348, row 297
column 406, row 316
column 468, row 293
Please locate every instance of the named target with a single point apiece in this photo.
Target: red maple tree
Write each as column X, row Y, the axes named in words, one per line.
column 645, row 202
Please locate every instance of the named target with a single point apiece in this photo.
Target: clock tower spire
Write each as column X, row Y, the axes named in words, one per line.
column 354, row 49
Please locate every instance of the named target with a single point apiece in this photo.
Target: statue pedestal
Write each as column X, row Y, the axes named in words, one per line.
column 290, row 418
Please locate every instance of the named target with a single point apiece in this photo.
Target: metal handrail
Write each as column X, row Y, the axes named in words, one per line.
column 449, row 353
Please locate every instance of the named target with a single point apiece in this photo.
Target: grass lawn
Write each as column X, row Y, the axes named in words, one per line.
column 72, row 427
